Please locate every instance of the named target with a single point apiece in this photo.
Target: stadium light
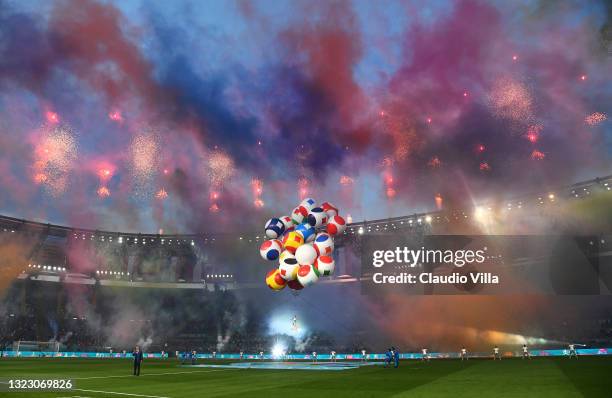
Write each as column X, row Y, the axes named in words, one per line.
column 360, row 231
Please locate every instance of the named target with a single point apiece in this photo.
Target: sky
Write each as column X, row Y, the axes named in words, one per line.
column 213, row 116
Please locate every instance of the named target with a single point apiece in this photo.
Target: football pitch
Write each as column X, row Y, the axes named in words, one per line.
column 539, row 377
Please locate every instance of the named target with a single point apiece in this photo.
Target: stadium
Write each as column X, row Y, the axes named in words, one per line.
column 308, row 198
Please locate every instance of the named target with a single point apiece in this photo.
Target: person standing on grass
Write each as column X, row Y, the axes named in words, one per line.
column 364, row 357
column 425, row 356
column 572, row 351
column 496, row 354
column 395, row 352
column 137, row 360
column 526, row 352
column 333, row 356
column 464, row 354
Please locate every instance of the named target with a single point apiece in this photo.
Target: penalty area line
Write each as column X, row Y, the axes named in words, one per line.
column 148, row 374
column 119, row 393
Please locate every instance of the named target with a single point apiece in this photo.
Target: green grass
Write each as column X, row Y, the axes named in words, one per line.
column 539, row 377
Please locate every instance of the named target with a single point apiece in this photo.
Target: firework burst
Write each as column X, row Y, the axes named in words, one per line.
column 144, row 159
column 55, row 156
column 511, row 99
column 595, row 118
column 220, row 168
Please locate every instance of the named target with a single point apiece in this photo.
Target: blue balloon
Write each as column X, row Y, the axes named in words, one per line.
column 307, row 231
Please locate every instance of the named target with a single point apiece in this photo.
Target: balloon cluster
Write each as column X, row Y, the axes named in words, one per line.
column 303, row 244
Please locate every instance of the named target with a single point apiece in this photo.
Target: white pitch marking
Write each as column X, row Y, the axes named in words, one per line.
column 148, row 374
column 119, row 393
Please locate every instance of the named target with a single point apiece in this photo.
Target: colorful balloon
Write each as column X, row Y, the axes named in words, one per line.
column 285, row 254
column 286, row 220
column 270, row 249
column 308, row 203
column 288, row 268
column 275, row 281
column 274, row 228
column 325, row 265
column 307, row 275
column 297, row 216
column 330, row 209
column 336, row 225
column 306, row 254
column 292, row 241
column 323, row 244
column 307, row 231
column 317, row 217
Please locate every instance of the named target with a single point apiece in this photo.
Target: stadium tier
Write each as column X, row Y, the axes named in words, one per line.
column 77, row 255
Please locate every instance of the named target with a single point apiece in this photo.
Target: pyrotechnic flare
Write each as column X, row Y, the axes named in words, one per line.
column 52, row 117
column 115, row 116
column 434, row 162
column 303, row 184
column 103, row 192
column 161, row 194
column 533, row 132
column 346, row 180
column 438, row 200
column 537, row 155
column 257, row 188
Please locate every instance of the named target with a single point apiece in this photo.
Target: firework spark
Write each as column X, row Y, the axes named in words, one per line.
column 55, row 155
column 511, row 99
column 484, row 166
column 434, row 162
column 438, row 199
column 220, row 168
column 103, row 192
column 161, row 194
column 595, row 118
column 257, row 187
column 52, row 117
column 115, row 116
column 533, row 133
column 144, row 155
column 537, row 155
column 346, row 180
column 303, row 185
column 105, row 174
